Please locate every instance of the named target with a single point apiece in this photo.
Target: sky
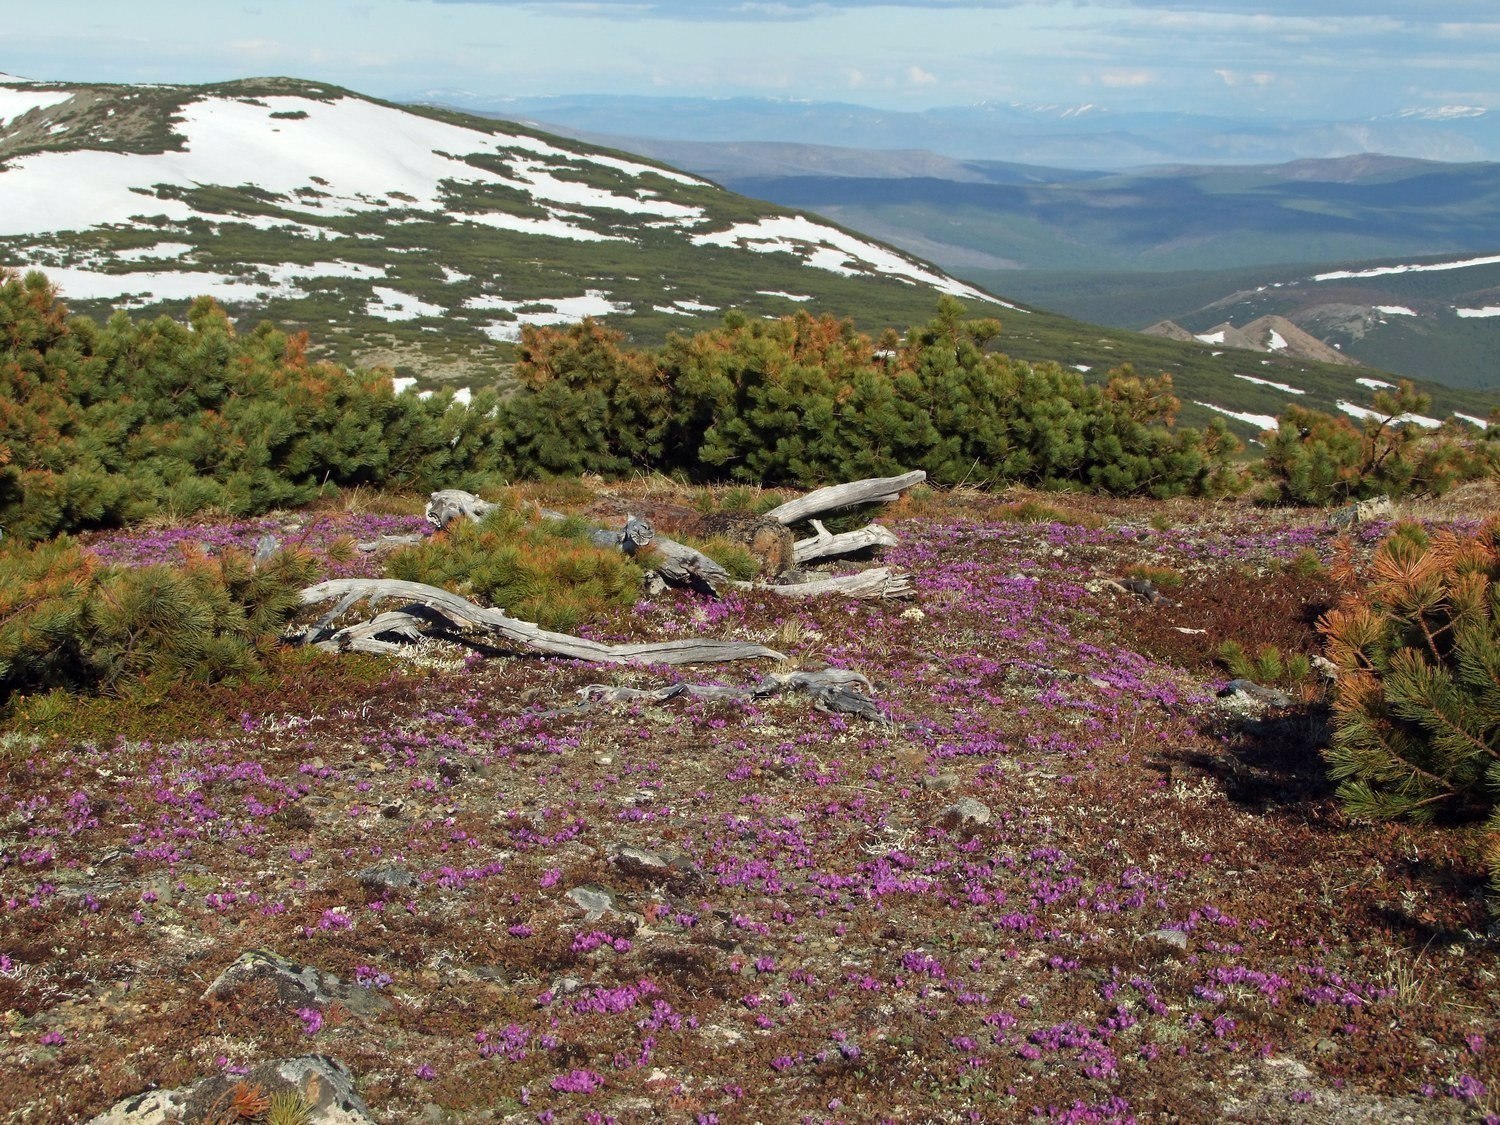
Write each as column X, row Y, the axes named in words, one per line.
column 1279, row 59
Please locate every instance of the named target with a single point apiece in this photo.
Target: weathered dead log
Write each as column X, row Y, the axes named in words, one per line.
column 833, row 689
column 873, row 490
column 461, row 615
column 877, row 583
column 826, row 544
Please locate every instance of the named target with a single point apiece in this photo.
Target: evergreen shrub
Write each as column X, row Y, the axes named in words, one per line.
column 101, row 425
column 1317, row 458
column 67, row 621
column 540, row 570
column 1417, row 705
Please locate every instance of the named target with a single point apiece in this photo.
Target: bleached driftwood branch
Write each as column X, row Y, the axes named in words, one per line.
column 463, row 615
column 832, row 689
column 825, row 543
column 873, row 490
column 878, row 582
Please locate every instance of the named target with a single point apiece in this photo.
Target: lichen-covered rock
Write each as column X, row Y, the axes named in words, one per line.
column 296, row 985
column 320, row 1088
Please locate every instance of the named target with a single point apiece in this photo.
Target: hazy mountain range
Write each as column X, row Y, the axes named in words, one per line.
column 1062, row 136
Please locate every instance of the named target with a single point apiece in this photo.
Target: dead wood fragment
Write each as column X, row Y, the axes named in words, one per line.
column 460, row 615
column 824, row 543
column 833, row 689
column 873, row 490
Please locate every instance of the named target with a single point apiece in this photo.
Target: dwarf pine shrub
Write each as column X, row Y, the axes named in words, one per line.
column 1317, row 458
column 101, row 425
column 68, row 621
column 542, row 570
column 1417, row 705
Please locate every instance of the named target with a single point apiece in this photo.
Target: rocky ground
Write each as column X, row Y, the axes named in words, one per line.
column 1065, row 880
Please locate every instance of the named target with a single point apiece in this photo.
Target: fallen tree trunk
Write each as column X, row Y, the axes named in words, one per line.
column 832, row 689
column 879, row 582
column 461, row 615
column 873, row 490
column 825, row 543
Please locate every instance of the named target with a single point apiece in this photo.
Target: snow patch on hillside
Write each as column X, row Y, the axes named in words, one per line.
column 787, row 296
column 1480, row 422
column 1362, row 413
column 1211, row 338
column 1386, row 271
column 392, row 304
column 552, row 310
column 1488, row 310
column 1277, row 342
column 551, row 227
column 162, row 251
column 1376, row 384
column 17, row 103
column 324, row 163
column 143, row 288
column 1268, row 383
column 1263, row 421
column 1395, row 310
column 824, row 247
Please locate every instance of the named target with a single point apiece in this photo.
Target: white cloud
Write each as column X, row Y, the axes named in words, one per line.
column 919, row 77
column 1244, row 78
column 1126, row 79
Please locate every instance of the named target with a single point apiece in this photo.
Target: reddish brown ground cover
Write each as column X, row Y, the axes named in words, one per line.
column 1166, row 916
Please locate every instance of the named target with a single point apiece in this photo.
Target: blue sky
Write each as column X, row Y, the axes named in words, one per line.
column 1280, row 59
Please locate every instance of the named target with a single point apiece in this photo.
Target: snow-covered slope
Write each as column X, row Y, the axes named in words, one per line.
column 316, row 204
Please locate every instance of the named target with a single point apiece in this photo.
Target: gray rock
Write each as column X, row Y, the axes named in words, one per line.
column 323, row 1086
column 296, row 985
column 386, row 878
column 1247, row 691
column 965, row 815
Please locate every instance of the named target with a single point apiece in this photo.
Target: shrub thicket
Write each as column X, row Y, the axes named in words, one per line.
column 68, row 621
column 1316, row 458
column 104, row 424
column 805, row 400
column 1417, row 710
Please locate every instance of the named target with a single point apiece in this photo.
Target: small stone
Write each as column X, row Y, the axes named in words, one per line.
column 386, row 878
column 592, row 899
column 965, row 815
column 1176, row 939
column 942, row 783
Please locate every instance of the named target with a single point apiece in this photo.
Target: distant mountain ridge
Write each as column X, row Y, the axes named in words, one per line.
column 1273, row 334
column 313, row 205
column 1090, row 137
